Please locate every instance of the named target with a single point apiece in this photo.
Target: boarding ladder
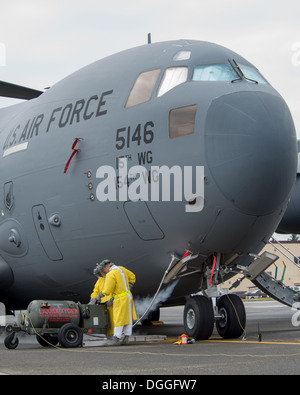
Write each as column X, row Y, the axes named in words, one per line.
column 273, row 287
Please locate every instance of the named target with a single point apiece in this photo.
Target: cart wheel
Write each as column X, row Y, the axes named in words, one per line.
column 11, row 341
column 70, row 336
column 151, row 316
column 47, row 340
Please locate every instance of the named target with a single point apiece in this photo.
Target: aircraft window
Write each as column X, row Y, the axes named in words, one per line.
column 182, row 55
column 172, row 77
column 182, row 121
column 143, row 88
column 252, row 74
column 214, row 72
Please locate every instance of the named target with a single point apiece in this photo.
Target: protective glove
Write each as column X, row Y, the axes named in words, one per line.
column 131, row 286
column 92, row 301
column 99, row 296
column 110, row 302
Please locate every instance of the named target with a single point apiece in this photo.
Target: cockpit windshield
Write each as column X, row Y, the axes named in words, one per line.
column 252, row 74
column 147, row 82
column 214, row 72
column 227, row 72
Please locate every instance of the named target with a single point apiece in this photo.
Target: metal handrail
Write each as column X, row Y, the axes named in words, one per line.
column 295, row 261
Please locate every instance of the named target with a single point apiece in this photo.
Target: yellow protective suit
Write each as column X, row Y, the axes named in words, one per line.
column 114, row 285
column 97, row 289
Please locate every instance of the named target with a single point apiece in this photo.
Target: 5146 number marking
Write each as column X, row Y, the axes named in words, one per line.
column 127, row 136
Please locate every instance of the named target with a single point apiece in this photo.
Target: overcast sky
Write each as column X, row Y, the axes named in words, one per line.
column 42, row 41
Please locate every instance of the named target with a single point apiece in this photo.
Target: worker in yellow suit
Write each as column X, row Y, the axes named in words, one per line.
column 117, row 285
column 95, row 299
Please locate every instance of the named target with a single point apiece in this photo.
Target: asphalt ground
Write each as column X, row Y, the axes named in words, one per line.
column 271, row 346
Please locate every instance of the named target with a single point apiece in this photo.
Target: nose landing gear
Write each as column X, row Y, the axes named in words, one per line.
column 232, row 323
column 199, row 317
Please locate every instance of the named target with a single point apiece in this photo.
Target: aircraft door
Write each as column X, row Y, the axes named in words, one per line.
column 44, row 233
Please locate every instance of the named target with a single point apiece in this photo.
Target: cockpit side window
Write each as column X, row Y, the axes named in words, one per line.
column 142, row 88
column 214, row 72
column 182, row 121
column 172, row 77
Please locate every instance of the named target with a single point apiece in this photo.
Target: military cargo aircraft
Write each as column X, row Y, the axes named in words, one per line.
column 175, row 159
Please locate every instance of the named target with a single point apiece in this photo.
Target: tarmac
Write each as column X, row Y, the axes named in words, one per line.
column 271, row 346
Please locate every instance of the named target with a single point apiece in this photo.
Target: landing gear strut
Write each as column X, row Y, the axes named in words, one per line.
column 199, row 317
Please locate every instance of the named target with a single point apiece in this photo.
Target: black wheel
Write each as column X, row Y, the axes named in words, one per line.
column 47, row 340
column 233, row 322
column 70, row 336
column 198, row 318
column 11, row 342
column 151, row 316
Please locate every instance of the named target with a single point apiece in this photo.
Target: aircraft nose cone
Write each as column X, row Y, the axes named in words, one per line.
column 251, row 150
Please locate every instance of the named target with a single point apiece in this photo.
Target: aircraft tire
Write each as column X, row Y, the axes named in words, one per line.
column 233, row 323
column 70, row 336
column 198, row 317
